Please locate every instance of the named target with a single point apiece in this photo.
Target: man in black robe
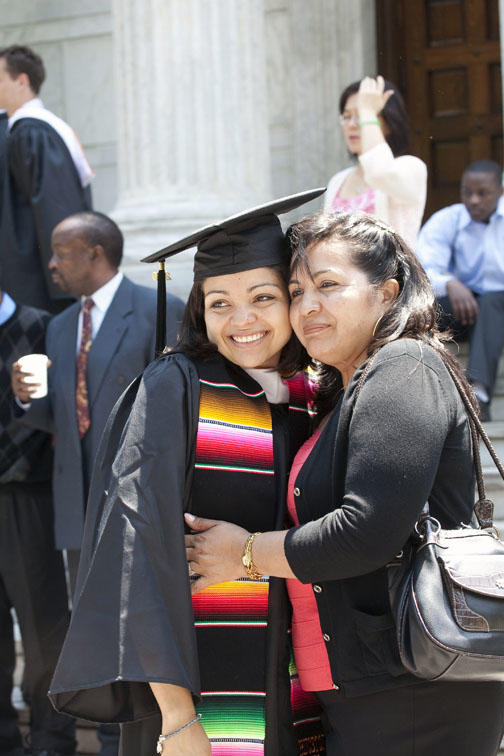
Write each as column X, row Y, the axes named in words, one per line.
column 44, row 178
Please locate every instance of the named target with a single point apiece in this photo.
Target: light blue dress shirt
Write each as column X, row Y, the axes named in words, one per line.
column 7, row 308
column 452, row 245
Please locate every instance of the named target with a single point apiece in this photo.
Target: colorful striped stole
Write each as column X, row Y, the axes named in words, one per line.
column 234, row 480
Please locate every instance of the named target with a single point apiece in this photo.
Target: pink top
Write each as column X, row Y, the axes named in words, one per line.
column 365, row 202
column 310, row 651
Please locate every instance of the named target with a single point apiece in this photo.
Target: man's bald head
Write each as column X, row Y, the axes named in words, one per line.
column 87, row 250
column 96, row 229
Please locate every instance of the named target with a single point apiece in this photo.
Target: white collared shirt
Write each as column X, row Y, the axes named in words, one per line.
column 102, row 299
column 452, row 245
column 7, row 308
column 276, row 391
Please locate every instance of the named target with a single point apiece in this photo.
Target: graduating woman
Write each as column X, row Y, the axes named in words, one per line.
column 212, row 428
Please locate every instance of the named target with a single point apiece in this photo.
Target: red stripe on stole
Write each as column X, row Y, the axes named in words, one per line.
column 233, row 600
column 303, row 702
column 225, row 444
column 301, row 391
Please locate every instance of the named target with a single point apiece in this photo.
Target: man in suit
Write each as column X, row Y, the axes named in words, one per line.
column 96, row 347
column 46, row 177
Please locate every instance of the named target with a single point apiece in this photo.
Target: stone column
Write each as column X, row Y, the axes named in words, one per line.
column 315, row 49
column 192, row 120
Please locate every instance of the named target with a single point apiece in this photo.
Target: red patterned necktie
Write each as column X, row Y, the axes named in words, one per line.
column 81, row 394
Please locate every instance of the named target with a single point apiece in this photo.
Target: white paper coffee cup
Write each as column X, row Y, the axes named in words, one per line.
column 37, row 365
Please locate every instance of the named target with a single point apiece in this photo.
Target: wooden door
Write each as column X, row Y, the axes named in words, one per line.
column 445, row 57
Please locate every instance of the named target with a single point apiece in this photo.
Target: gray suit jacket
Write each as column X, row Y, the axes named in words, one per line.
column 123, row 347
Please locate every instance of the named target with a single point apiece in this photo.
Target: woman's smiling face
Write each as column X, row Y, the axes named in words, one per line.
column 334, row 307
column 247, row 316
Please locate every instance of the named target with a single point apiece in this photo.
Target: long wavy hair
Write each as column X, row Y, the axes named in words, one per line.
column 378, row 251
column 193, row 339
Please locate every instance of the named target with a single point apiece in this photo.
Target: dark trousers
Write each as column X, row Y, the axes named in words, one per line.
column 485, row 336
column 32, row 580
column 429, row 719
column 140, row 738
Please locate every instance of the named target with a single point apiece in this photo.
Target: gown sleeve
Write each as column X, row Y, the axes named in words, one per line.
column 132, row 620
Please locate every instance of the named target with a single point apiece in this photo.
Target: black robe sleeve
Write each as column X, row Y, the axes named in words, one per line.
column 48, row 189
column 132, row 621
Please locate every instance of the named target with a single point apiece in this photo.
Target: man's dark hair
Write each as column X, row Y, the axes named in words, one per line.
column 485, row 166
column 98, row 229
column 20, row 59
column 394, row 115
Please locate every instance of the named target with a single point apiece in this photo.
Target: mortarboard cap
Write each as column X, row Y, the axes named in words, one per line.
column 247, row 240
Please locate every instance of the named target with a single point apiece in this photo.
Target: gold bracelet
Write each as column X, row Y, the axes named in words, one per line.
column 248, row 561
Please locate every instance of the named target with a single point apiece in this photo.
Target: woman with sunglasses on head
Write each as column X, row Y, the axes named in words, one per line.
column 386, row 181
column 212, row 427
column 392, row 434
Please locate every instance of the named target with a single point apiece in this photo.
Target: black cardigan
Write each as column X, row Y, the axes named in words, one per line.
column 404, row 440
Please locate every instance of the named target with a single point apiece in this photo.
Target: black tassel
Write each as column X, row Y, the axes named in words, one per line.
column 161, row 309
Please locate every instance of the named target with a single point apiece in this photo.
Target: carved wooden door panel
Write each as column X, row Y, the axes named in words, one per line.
column 445, row 57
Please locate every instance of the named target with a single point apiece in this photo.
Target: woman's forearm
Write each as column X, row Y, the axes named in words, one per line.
column 371, row 133
column 215, row 550
column 175, row 703
column 177, row 709
column 269, row 555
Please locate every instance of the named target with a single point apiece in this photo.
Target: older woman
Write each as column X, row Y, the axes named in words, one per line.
column 211, row 426
column 356, row 490
column 385, row 181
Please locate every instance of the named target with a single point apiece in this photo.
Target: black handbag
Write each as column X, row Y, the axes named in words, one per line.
column 447, row 587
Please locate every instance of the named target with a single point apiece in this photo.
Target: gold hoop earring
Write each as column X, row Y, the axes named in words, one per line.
column 376, row 326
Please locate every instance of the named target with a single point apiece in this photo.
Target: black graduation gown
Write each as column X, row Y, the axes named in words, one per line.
column 40, row 187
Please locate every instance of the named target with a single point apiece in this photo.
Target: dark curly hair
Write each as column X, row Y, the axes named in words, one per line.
column 381, row 254
column 193, row 339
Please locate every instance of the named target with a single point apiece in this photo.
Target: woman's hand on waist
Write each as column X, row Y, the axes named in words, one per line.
column 214, row 551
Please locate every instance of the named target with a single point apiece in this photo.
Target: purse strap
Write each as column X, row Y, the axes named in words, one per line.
column 483, row 508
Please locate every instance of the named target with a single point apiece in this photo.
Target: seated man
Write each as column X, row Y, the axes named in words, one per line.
column 462, row 249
